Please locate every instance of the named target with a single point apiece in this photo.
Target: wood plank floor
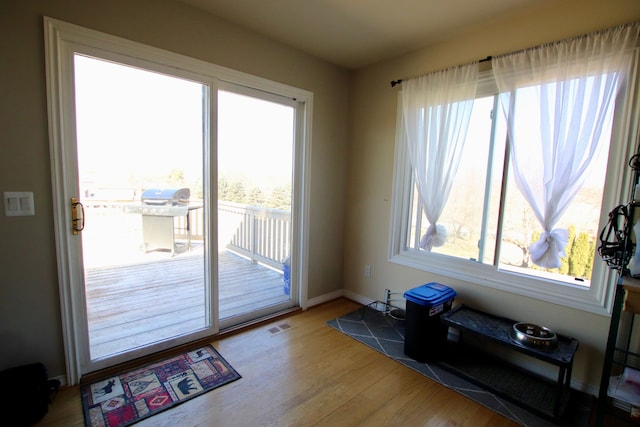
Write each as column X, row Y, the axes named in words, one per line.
column 307, row 375
column 144, row 302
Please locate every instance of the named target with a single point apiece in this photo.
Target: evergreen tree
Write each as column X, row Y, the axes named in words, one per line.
column 564, row 267
column 237, row 192
column 223, row 189
column 280, row 198
column 592, row 252
column 579, row 255
column 175, row 178
column 256, row 197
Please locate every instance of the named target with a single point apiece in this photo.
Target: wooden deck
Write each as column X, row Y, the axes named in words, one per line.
column 134, row 305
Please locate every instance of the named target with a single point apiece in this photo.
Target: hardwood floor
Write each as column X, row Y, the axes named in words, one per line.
column 307, row 375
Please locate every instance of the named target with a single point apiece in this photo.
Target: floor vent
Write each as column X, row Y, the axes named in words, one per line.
column 280, row 328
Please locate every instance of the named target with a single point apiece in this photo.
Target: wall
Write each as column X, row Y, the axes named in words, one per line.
column 30, row 326
column 371, row 153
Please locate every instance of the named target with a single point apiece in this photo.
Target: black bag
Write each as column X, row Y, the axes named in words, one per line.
column 25, row 393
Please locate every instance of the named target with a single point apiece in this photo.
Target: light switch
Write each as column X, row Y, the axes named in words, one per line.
column 18, row 203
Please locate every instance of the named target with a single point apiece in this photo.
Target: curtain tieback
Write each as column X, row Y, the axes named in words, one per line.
column 548, row 250
column 435, row 236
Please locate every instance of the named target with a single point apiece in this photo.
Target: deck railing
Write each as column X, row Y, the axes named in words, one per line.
column 260, row 234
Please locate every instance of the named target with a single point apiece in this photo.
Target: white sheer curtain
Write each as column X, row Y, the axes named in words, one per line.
column 436, row 109
column 556, row 99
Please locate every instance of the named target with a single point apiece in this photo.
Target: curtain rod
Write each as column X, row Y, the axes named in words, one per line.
column 397, row 82
column 488, row 58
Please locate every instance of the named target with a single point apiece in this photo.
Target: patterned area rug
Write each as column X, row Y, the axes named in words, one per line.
column 132, row 396
column 386, row 335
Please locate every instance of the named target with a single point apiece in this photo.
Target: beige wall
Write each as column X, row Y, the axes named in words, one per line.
column 30, row 326
column 371, row 152
column 29, row 309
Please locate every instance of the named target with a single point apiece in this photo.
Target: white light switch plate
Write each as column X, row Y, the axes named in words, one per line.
column 18, row 203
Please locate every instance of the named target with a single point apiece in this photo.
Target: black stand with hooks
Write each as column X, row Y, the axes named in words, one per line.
column 616, row 249
column 388, row 309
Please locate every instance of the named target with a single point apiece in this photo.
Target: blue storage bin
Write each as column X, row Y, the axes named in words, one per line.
column 286, row 278
column 425, row 336
column 432, row 295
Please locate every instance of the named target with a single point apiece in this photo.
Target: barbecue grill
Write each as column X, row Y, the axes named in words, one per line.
column 166, row 196
column 159, row 207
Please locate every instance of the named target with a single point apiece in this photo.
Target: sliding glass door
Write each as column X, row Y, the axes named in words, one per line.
column 179, row 196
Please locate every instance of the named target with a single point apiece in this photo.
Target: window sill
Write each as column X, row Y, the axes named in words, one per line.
column 595, row 299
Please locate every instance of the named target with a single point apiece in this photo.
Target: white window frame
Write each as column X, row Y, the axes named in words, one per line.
column 597, row 298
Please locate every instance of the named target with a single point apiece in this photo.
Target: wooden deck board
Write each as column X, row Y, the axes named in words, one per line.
column 134, row 305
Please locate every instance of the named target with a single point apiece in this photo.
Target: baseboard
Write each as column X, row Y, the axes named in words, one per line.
column 61, row 378
column 325, row 298
column 337, row 294
column 357, row 298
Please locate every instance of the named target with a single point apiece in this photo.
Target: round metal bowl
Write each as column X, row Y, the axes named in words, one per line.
column 534, row 336
column 397, row 314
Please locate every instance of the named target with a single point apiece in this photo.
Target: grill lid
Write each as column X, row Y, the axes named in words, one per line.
column 166, row 196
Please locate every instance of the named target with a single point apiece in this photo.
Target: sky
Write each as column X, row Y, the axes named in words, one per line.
column 133, row 122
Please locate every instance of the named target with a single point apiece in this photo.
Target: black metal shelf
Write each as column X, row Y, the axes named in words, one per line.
column 617, row 352
column 541, row 395
column 527, row 389
column 624, row 357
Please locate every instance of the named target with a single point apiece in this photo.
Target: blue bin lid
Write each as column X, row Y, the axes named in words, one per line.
column 430, row 294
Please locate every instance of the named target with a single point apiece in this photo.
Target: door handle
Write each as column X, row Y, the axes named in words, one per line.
column 77, row 221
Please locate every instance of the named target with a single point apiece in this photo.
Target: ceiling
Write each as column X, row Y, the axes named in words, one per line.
column 356, row 33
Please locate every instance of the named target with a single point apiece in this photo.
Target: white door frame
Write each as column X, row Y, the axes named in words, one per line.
column 62, row 40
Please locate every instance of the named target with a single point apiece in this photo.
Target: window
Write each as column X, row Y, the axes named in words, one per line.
column 473, row 214
column 490, row 225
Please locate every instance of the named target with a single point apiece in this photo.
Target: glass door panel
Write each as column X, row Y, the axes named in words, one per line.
column 140, row 138
column 255, row 169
